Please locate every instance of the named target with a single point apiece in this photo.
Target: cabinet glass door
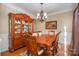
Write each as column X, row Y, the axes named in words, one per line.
column 24, row 26
column 30, row 27
column 17, row 25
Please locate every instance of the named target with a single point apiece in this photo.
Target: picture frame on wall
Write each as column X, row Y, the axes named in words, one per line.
column 51, row 25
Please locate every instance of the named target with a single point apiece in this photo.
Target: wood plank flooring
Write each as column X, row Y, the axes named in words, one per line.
column 15, row 53
column 20, row 51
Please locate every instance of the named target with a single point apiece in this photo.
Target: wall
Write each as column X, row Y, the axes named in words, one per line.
column 4, row 11
column 63, row 19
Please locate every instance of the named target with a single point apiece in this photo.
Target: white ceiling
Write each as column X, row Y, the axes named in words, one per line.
column 49, row 8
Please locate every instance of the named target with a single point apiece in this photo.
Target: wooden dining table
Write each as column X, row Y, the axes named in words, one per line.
column 45, row 40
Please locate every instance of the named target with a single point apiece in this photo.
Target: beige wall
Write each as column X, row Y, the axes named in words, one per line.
column 63, row 19
column 4, row 11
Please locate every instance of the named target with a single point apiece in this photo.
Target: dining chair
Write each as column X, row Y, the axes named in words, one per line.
column 51, row 32
column 32, row 47
column 55, row 44
column 35, row 34
column 39, row 33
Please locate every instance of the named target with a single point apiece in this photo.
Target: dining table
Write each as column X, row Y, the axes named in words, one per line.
column 46, row 41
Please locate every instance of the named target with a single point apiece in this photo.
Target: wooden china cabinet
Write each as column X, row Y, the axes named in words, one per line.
column 19, row 24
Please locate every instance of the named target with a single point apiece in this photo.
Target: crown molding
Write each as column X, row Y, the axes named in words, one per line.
column 60, row 12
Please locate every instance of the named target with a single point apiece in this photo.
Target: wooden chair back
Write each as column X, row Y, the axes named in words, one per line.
column 57, row 36
column 51, row 32
column 55, row 44
column 31, row 46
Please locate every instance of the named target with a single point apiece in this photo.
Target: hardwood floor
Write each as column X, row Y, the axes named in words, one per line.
column 23, row 50
column 15, row 53
column 60, row 50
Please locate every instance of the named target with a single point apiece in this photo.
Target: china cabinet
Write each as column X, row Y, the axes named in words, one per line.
column 18, row 25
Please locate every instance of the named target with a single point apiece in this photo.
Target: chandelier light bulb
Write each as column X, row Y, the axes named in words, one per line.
column 45, row 14
column 38, row 15
column 46, row 17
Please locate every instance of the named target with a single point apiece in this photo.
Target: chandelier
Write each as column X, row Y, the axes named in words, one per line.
column 41, row 16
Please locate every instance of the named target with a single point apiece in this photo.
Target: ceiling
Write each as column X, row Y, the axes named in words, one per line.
column 49, row 8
